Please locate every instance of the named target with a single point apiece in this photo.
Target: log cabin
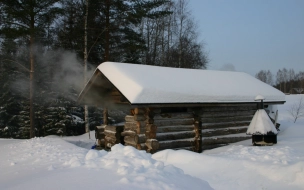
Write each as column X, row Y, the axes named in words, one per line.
column 175, row 108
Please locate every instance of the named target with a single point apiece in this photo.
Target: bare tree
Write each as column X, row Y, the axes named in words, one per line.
column 291, row 78
column 265, row 76
column 279, row 78
column 85, row 55
column 297, row 109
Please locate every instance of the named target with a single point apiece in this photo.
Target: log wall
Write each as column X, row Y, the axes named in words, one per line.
column 135, row 129
column 195, row 129
column 223, row 125
column 174, row 130
column 113, row 135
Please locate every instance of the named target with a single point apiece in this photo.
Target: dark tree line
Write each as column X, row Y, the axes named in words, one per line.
column 287, row 81
column 42, row 51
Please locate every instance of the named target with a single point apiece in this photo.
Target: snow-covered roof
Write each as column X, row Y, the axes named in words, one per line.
column 144, row 84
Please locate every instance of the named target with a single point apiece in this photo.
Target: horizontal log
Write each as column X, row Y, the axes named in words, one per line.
column 136, row 139
column 211, row 146
column 152, row 144
column 176, row 144
column 179, row 115
column 138, row 127
column 226, row 119
column 100, row 128
column 229, row 108
column 131, row 140
column 223, row 140
column 151, row 128
column 227, row 114
column 134, row 124
column 150, row 135
column 128, row 133
column 112, row 134
column 153, row 110
column 175, row 135
column 111, row 140
column 175, row 128
column 190, row 148
column 114, row 129
column 186, row 121
column 223, row 131
column 131, row 118
column 224, row 124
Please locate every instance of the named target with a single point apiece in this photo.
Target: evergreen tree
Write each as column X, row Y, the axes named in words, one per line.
column 28, row 19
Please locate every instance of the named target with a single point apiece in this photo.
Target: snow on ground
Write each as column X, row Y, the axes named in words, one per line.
column 69, row 163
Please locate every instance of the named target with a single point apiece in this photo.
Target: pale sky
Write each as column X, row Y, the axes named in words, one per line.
column 251, row 35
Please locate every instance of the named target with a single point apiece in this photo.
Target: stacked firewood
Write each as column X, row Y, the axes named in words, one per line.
column 113, row 135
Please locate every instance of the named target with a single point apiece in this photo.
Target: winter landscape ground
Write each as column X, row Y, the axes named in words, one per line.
column 69, row 163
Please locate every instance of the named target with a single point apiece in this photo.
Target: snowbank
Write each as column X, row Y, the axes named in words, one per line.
column 52, row 163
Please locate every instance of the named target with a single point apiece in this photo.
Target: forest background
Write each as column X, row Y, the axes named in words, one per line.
column 49, row 48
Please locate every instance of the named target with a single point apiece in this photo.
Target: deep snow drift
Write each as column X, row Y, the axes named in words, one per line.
column 68, row 163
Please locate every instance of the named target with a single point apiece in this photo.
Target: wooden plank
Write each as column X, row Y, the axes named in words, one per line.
column 223, row 131
column 187, row 121
column 176, row 143
column 227, row 114
column 179, row 115
column 223, row 140
column 224, row 124
column 175, row 135
column 175, row 128
column 226, row 119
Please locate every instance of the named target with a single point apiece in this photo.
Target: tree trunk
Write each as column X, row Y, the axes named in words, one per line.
column 85, row 54
column 32, row 116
